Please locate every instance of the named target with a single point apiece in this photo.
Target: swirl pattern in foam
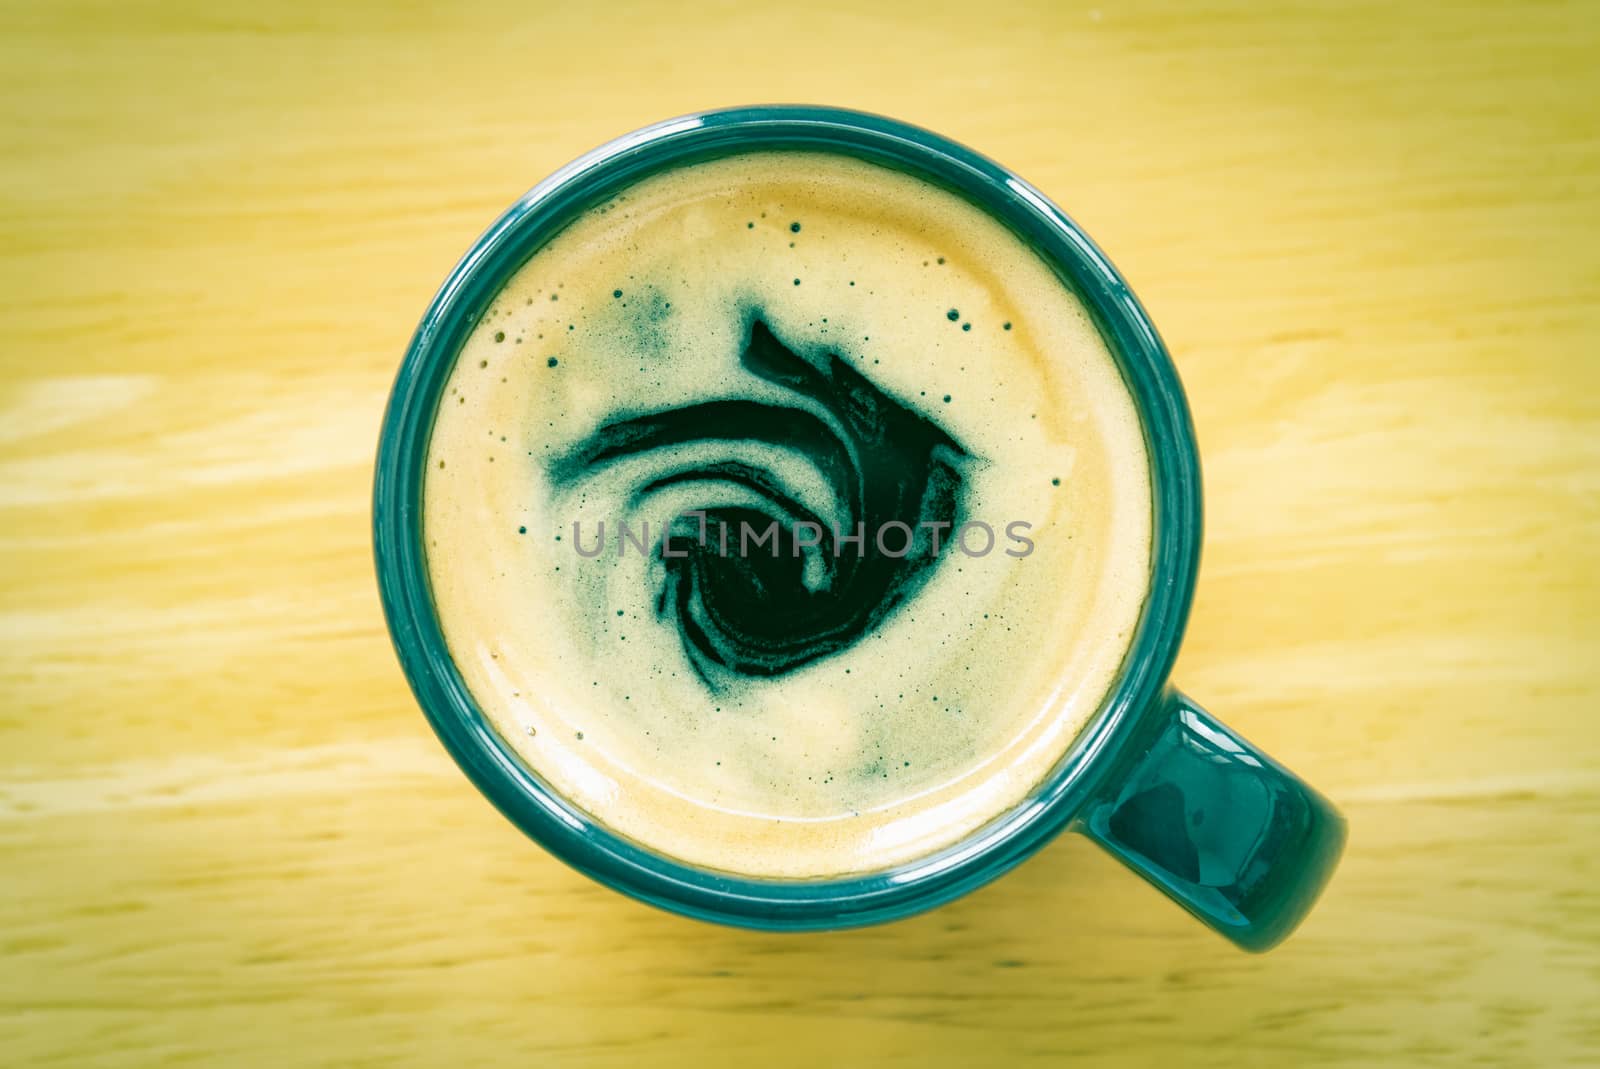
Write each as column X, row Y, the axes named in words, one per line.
column 819, row 577
column 813, row 373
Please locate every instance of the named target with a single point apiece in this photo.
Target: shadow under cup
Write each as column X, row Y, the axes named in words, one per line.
column 1215, row 824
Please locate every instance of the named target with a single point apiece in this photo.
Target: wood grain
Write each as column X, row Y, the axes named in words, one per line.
column 1371, row 236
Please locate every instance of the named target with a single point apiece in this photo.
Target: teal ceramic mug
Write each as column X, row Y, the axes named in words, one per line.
column 1218, row 826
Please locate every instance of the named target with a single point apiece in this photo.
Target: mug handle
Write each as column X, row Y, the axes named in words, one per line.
column 1225, row 831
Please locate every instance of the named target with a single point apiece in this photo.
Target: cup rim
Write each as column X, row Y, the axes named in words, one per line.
column 579, row 839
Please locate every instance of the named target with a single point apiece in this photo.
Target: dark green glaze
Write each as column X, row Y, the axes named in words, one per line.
column 1230, row 835
column 1223, row 829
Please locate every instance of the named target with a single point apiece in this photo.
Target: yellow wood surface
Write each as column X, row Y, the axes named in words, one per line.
column 1369, row 234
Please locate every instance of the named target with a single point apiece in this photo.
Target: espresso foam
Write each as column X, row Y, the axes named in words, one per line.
column 954, row 704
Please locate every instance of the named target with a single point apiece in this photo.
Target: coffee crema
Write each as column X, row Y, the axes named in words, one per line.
column 914, row 418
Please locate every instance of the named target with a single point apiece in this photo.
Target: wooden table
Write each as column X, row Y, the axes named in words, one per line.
column 1370, row 236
